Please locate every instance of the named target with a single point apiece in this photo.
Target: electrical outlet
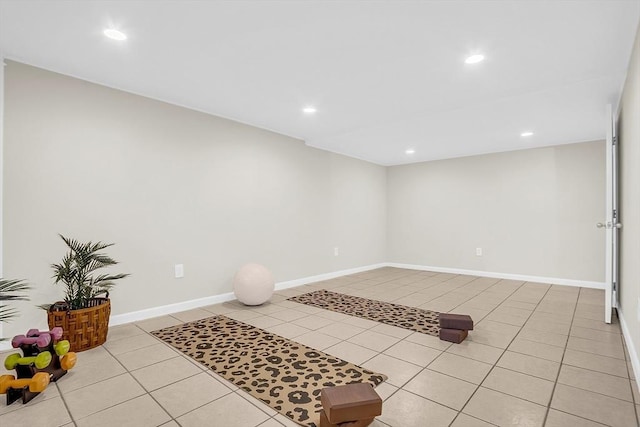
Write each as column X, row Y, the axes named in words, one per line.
column 336, row 251
column 478, row 251
column 179, row 270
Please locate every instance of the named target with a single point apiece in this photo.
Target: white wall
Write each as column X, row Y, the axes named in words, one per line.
column 169, row 185
column 629, row 137
column 533, row 212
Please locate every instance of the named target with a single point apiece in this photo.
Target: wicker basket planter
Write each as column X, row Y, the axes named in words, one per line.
column 85, row 328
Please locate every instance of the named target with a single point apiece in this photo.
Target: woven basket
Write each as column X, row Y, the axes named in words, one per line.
column 85, row 328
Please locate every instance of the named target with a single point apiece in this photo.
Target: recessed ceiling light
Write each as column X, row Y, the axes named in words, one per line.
column 410, row 151
column 474, row 59
column 114, row 34
column 309, row 110
column 528, row 133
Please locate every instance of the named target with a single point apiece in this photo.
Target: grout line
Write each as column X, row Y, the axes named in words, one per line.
column 555, row 383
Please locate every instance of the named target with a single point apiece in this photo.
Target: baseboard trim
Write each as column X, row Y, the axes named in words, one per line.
column 163, row 310
column 510, row 276
column 327, row 276
column 633, row 354
column 149, row 313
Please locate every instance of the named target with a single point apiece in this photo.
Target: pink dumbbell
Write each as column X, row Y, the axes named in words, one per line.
column 56, row 333
column 41, row 341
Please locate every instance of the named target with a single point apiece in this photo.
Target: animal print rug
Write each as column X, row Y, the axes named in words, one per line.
column 414, row 319
column 284, row 374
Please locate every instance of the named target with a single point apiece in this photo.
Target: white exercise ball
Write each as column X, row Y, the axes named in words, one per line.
column 253, row 284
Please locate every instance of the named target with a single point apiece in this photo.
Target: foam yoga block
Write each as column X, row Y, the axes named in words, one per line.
column 453, row 335
column 351, row 402
column 253, row 284
column 456, row 321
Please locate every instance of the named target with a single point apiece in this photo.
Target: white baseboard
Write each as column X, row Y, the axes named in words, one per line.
column 633, row 354
column 148, row 313
column 326, row 276
column 162, row 310
column 510, row 276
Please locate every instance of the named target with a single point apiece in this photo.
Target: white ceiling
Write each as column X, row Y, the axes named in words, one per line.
column 384, row 75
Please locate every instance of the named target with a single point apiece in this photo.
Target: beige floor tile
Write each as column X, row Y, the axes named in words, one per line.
column 229, row 411
column 398, row 371
column 392, row 331
column 530, row 365
column 592, row 334
column 192, row 315
column 219, row 308
column 596, row 347
column 494, row 339
column 562, row 419
column 504, row 410
column 264, row 322
column 142, row 411
column 125, row 345
column 548, row 326
column 340, row 330
column 520, row 385
column 166, row 372
column 93, row 366
column 289, row 315
column 550, row 338
column 332, row 315
column 287, row 330
column 186, row 395
column 313, row 322
column 507, row 318
column 46, row 413
column 408, row 410
column 597, row 382
column 242, row 315
column 278, row 422
column 96, row 397
column 157, row 323
column 413, row 353
column 594, row 362
column 598, row 325
column 476, row 351
column 123, row 331
column 532, row 348
column 351, row 352
column 464, row 420
column 440, row 388
column 385, row 390
column 374, row 340
column 257, row 403
column 137, row 359
column 317, row 340
column 461, row 367
column 593, row 406
column 428, row 340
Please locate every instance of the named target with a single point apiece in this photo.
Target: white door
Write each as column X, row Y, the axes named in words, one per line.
column 611, row 224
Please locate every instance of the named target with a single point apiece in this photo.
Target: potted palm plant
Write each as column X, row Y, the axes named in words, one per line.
column 10, row 290
column 84, row 313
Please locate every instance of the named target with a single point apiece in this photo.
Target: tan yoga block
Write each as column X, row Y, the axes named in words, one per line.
column 456, row 321
column 453, row 335
column 351, row 402
column 324, row 422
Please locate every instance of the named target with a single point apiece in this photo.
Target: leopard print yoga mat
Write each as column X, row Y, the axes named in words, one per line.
column 414, row 319
column 284, row 374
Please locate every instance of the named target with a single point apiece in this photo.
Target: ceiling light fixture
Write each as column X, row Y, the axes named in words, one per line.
column 309, row 110
column 474, row 59
column 114, row 34
column 528, row 133
column 410, row 151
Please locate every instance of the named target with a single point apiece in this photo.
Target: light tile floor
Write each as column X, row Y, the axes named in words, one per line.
column 539, row 355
